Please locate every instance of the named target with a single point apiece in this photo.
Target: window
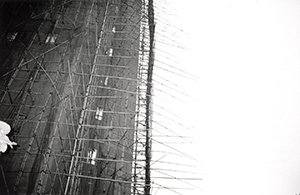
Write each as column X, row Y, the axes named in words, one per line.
column 106, row 81
column 92, row 154
column 51, row 38
column 109, row 52
column 11, row 36
column 99, row 113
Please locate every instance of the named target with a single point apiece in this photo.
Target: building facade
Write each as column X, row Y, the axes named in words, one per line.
column 70, row 85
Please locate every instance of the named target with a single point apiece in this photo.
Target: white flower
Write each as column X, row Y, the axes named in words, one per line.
column 4, row 140
column 4, row 128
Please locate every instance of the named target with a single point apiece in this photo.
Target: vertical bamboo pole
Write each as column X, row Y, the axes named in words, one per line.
column 79, row 132
column 149, row 97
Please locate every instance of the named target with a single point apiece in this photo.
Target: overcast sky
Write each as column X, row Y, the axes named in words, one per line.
column 246, row 54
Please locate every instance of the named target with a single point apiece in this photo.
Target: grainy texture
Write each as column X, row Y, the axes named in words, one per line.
column 67, row 60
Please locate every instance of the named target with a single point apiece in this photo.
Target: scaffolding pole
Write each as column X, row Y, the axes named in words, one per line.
column 149, row 98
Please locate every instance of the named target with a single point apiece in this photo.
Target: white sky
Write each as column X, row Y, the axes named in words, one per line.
column 246, row 54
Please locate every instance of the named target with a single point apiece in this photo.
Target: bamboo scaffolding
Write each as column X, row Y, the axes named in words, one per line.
column 21, row 170
column 77, row 144
column 75, row 132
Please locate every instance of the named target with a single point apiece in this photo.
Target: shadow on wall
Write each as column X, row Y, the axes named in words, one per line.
column 15, row 31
